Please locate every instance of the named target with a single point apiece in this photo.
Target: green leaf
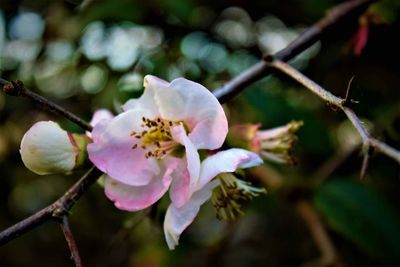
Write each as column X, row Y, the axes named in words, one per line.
column 362, row 216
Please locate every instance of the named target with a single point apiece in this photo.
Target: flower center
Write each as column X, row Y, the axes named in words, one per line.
column 156, row 138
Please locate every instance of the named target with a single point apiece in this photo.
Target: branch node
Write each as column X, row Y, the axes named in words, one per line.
column 14, row 88
column 268, row 58
column 333, row 107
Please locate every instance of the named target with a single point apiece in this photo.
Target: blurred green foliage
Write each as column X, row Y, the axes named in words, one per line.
column 363, row 216
column 87, row 55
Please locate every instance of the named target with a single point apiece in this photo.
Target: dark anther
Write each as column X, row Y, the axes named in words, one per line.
column 14, row 88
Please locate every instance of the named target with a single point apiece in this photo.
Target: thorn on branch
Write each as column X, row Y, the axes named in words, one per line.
column 365, row 161
column 347, row 100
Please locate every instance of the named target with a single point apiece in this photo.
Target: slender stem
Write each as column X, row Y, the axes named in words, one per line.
column 319, row 234
column 59, row 208
column 357, row 124
column 385, row 149
column 337, row 102
column 25, row 225
column 71, row 241
column 310, row 84
column 328, row 167
column 17, row 88
column 346, row 10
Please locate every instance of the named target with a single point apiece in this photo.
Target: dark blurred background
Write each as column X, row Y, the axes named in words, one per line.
column 92, row 54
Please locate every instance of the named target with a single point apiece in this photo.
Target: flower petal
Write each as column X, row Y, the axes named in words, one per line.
column 146, row 101
column 99, row 115
column 112, row 151
column 180, row 186
column 46, row 148
column 192, row 103
column 134, row 198
column 226, row 161
column 178, row 219
column 192, row 156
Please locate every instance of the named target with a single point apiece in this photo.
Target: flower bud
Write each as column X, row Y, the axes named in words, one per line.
column 274, row 144
column 47, row 149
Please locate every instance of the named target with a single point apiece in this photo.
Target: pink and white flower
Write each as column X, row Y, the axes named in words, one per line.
column 177, row 219
column 152, row 146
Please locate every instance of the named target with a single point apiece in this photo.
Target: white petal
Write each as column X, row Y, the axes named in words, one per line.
column 226, row 161
column 192, row 103
column 46, row 148
column 99, row 115
column 147, row 100
column 178, row 219
column 191, row 154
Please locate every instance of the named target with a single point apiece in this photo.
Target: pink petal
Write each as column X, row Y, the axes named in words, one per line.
column 180, row 186
column 147, row 101
column 178, row 219
column 134, row 198
column 192, row 156
column 192, row 103
column 361, row 39
column 226, row 161
column 99, row 115
column 112, row 151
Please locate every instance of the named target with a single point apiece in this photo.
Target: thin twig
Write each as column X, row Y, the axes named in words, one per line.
column 348, row 9
column 17, row 88
column 59, row 208
column 328, row 252
column 328, row 167
column 71, row 241
column 367, row 140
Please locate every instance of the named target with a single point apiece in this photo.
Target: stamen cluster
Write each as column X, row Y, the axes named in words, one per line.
column 229, row 196
column 156, row 137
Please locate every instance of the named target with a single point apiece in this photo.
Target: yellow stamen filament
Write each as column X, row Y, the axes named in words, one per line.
column 156, row 137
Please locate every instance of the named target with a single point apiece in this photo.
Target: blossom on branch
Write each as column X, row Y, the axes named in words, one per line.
column 274, row 144
column 47, row 149
column 152, row 146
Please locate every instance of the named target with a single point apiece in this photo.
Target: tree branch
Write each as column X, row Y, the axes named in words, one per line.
column 59, row 208
column 71, row 241
column 17, row 88
column 367, row 140
column 348, row 9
